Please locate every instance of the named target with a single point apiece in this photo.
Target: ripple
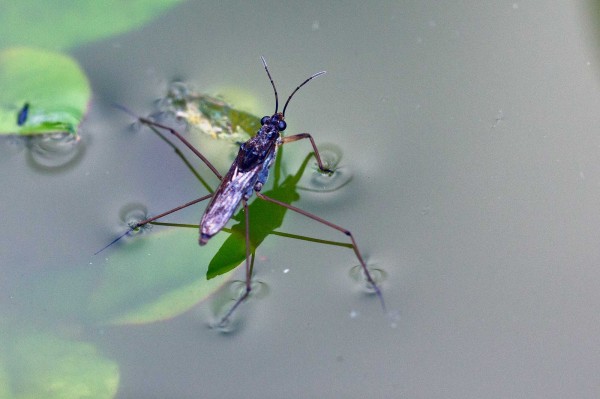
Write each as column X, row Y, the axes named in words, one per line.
column 131, row 215
column 223, row 305
column 318, row 181
column 230, row 325
column 55, row 151
column 238, row 288
column 358, row 275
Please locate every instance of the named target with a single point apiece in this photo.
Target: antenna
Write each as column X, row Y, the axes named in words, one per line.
column 272, row 84
column 297, row 88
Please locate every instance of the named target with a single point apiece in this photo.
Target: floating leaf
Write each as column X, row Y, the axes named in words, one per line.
column 42, row 92
column 155, row 277
column 67, row 23
column 40, row 365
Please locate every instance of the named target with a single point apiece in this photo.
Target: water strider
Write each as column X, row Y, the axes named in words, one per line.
column 246, row 176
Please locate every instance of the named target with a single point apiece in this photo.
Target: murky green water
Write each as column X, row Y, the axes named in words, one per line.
column 470, row 131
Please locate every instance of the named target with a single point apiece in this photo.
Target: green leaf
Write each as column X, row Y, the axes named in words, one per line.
column 264, row 217
column 40, row 365
column 67, row 23
column 53, row 85
column 157, row 276
column 5, row 391
column 210, row 115
column 149, row 277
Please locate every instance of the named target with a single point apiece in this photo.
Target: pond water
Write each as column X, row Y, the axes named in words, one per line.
column 470, row 130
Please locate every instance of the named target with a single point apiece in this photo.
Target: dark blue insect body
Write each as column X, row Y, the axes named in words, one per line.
column 247, row 174
column 22, row 115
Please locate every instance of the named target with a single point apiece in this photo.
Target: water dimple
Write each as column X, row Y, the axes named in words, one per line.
column 230, row 325
column 224, row 322
column 54, row 151
column 131, row 215
column 237, row 288
column 319, row 181
column 358, row 275
column 323, row 182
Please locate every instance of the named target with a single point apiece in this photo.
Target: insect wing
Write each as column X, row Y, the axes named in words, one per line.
column 235, row 186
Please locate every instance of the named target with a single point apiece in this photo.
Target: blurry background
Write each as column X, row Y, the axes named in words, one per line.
column 471, row 132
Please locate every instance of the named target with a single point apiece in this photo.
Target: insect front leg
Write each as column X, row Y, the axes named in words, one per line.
column 175, row 133
column 339, row 228
column 189, row 145
column 300, row 136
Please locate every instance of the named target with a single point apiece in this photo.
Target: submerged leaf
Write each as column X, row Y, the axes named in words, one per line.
column 155, row 277
column 42, row 92
column 67, row 23
column 41, row 365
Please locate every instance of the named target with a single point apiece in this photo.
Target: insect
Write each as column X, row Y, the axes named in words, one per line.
column 246, row 177
column 22, row 115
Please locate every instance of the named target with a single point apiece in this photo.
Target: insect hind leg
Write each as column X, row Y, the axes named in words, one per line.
column 225, row 320
column 347, row 232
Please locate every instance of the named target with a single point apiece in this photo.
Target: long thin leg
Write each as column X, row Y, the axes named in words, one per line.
column 300, row 136
column 182, row 157
column 153, row 218
column 249, row 268
column 174, row 133
column 154, row 125
column 339, row 228
column 184, row 141
column 146, row 221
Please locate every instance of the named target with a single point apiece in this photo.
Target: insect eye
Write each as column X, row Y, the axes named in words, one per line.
column 281, row 125
column 264, row 120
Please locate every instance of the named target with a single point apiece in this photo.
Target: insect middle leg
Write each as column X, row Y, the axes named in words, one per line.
column 153, row 218
column 339, row 228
